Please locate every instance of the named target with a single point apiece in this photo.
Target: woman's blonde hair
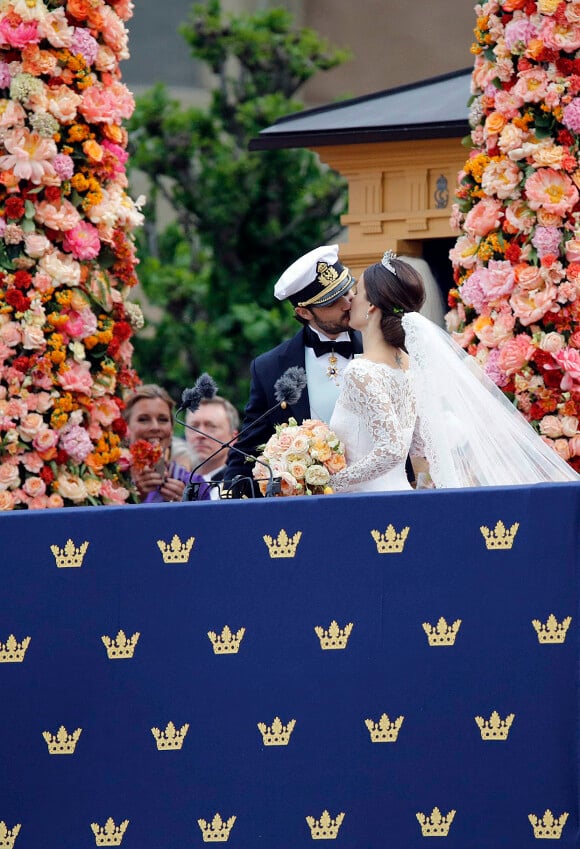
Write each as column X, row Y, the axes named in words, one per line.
column 145, row 392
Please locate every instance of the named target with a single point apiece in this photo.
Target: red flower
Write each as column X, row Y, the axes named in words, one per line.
column 17, row 300
column 122, row 330
column 119, row 426
column 22, row 279
column 21, row 364
column 145, row 454
column 52, row 194
column 47, row 475
column 14, row 208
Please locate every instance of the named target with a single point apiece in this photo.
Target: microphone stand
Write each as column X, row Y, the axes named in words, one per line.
column 273, row 486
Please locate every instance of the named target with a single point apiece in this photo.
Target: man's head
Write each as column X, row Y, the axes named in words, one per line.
column 218, row 418
column 318, row 286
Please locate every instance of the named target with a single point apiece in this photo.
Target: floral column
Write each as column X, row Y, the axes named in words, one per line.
column 517, row 263
column 67, row 256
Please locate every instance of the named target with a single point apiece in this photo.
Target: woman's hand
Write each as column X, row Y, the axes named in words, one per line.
column 147, row 480
column 172, row 489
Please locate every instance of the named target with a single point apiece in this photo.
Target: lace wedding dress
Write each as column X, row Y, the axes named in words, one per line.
column 443, row 408
column 375, row 417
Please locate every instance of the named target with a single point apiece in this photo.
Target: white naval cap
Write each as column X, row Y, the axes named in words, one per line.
column 317, row 279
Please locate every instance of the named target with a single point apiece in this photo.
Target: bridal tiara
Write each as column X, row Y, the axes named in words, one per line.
column 386, row 261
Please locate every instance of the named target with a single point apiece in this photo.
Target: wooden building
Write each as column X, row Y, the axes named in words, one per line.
column 400, row 152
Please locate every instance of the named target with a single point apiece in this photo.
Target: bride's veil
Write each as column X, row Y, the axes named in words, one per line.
column 473, row 434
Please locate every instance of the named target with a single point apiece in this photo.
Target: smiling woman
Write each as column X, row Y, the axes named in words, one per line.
column 149, row 417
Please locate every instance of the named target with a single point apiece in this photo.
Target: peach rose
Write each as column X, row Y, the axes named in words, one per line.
column 574, row 446
column 55, row 501
column 562, row 447
column 38, row 502
column 551, row 427
column 6, row 500
column 297, row 469
column 45, row 439
column 515, row 353
column 33, row 338
column 483, row 217
column 34, row 486
column 11, row 334
column 32, row 462
column 113, row 494
column 569, row 425
column 335, row 463
column 9, row 476
column 30, row 425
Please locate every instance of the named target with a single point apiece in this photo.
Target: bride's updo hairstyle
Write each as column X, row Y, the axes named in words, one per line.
column 394, row 287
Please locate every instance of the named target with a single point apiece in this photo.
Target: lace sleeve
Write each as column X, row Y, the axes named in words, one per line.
column 418, row 448
column 368, row 395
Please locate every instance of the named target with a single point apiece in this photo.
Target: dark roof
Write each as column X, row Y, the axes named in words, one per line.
column 429, row 109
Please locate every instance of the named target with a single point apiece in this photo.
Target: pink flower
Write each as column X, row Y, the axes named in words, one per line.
column 80, row 324
column 54, row 27
column 30, row 425
column 59, row 215
column 547, row 240
column 45, row 439
column 34, row 487
column 76, row 442
column 569, row 362
column 113, row 494
column 84, row 43
column 9, row 475
column 530, row 306
column 518, row 33
column 515, row 353
column 531, row 85
column 502, row 179
column 76, row 377
column 110, row 105
column 483, row 217
column 559, row 36
column 29, row 155
column 63, row 165
column 571, row 116
column 82, row 241
column 551, row 190
column 32, row 462
column 11, row 334
column 63, row 103
column 499, row 280
column 16, row 34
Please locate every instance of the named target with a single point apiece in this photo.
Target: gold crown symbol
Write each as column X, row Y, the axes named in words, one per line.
column 216, row 831
column 548, row 827
column 227, row 642
column 333, row 637
column 120, row 648
column 384, row 731
column 441, row 634
column 495, row 728
column 176, row 551
column 109, row 834
column 70, row 556
column 12, row 651
column 171, row 738
column 325, row 828
column 390, row 542
column 283, row 546
column 62, row 743
column 276, row 734
column 552, row 631
column 500, row 537
column 8, row 835
column 435, row 825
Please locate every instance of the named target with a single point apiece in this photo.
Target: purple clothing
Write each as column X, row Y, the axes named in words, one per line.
column 179, row 473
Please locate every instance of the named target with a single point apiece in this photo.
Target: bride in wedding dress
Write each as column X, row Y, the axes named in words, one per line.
column 414, row 392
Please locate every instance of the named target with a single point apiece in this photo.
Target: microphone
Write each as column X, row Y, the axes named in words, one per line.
column 287, row 390
column 205, row 387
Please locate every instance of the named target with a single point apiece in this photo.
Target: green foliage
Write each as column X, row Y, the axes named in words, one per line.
column 237, row 218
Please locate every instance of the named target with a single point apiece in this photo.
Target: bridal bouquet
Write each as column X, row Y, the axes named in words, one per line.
column 303, row 456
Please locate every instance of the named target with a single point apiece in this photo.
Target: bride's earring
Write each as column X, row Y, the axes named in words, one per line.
column 367, row 316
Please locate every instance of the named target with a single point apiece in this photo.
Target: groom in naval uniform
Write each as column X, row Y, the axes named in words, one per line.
column 319, row 288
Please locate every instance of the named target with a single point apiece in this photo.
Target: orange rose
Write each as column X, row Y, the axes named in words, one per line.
column 494, row 123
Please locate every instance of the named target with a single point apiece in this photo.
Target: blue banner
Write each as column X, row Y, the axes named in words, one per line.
column 373, row 670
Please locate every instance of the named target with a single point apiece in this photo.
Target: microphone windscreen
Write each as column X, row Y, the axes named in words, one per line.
column 290, row 386
column 205, row 387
